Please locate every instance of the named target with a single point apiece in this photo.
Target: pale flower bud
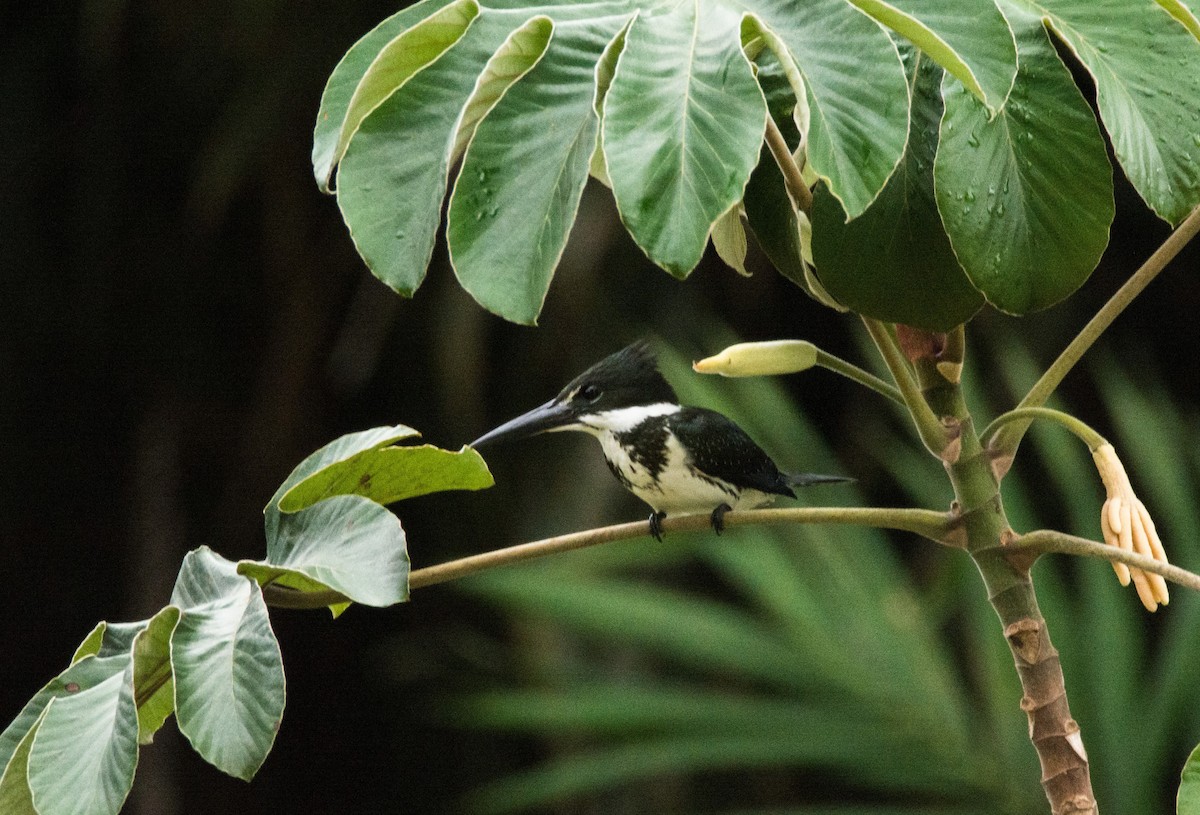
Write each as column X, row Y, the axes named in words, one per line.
column 760, row 359
column 1127, row 524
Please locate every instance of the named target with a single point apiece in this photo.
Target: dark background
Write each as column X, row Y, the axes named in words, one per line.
column 183, row 318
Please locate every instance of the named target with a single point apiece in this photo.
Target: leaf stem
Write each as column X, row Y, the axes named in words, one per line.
column 853, row 372
column 1043, row 541
column 936, row 526
column 793, row 179
column 929, row 428
column 1006, row 444
column 1029, row 414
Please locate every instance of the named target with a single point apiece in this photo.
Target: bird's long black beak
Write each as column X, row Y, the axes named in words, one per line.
column 553, row 415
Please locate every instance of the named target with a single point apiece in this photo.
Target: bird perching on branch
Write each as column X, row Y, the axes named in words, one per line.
column 679, row 460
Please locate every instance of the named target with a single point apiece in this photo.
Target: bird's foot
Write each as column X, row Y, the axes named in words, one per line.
column 656, row 530
column 718, row 518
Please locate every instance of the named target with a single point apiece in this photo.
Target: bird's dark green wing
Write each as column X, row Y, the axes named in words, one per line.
column 720, row 449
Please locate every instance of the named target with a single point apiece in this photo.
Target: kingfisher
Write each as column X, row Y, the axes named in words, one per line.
column 679, row 460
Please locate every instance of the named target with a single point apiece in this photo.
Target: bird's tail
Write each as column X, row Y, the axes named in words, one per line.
column 809, row 479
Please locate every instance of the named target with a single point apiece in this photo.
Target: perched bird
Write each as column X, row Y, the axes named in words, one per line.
column 677, row 459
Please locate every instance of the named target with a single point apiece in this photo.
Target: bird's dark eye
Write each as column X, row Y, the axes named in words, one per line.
column 589, row 392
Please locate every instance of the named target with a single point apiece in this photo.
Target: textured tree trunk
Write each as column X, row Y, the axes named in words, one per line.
column 1055, row 734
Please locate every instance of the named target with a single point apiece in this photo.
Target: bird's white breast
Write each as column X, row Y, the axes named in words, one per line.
column 680, row 488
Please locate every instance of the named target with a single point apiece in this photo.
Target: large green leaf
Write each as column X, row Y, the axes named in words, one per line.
column 149, row 641
column 1184, row 14
column 683, row 121
column 523, row 90
column 84, row 674
column 1147, row 72
column 347, row 543
column 515, row 199
column 84, row 753
column 857, row 96
column 344, row 80
column 894, row 262
column 384, row 473
column 393, row 177
column 342, row 449
column 1026, row 197
column 397, row 61
column 91, row 643
column 326, row 527
column 229, row 691
column 968, row 38
column 524, row 105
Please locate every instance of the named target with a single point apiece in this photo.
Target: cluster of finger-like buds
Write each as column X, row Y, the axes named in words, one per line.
column 1127, row 524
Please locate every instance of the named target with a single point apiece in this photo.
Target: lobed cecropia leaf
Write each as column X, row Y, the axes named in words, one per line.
column 529, row 156
column 1145, row 61
column 393, row 178
column 85, row 761
column 395, row 64
column 149, row 641
column 683, row 120
column 331, row 130
column 970, row 39
column 326, row 526
column 1026, row 196
column 894, row 262
column 348, row 544
column 229, row 686
column 656, row 98
column 81, row 760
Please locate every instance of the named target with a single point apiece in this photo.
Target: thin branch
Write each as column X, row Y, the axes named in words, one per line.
column 924, row 522
column 1048, row 540
column 931, row 431
column 1084, row 340
column 854, row 373
column 936, row 526
column 793, row 179
column 1029, row 414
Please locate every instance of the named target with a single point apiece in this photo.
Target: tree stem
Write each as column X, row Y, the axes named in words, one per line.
column 1066, row 776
